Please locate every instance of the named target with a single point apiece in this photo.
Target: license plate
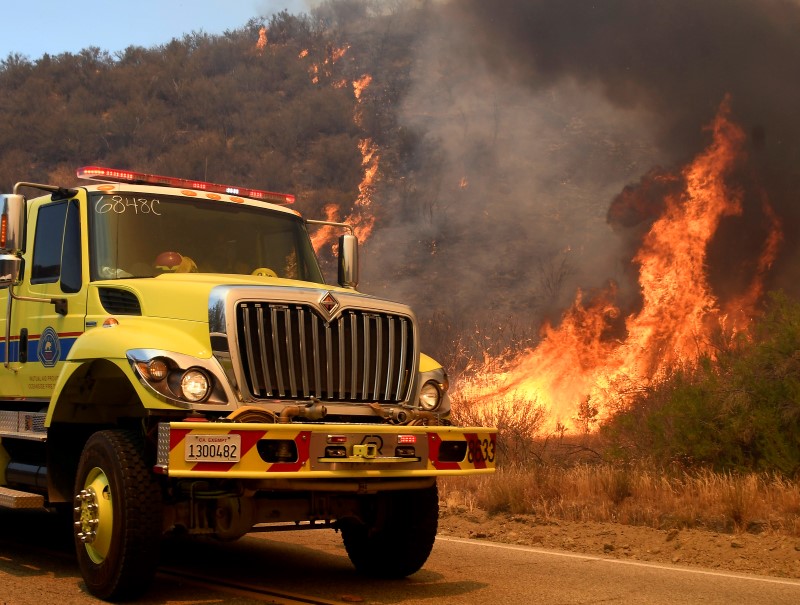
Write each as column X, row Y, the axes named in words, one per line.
column 212, row 448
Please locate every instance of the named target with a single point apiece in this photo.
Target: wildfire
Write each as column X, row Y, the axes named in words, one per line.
column 317, row 70
column 262, row 40
column 325, row 234
column 360, row 85
column 361, row 215
column 594, row 354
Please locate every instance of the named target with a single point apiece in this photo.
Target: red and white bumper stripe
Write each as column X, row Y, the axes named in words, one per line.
column 440, row 451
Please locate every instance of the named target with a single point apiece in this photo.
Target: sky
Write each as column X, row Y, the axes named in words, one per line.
column 35, row 27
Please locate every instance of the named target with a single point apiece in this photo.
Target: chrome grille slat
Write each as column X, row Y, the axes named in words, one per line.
column 249, row 351
column 303, row 351
column 365, row 365
column 291, row 352
column 329, row 388
column 390, row 359
column 342, row 357
column 317, row 356
column 287, row 316
column 262, row 343
column 354, row 356
column 403, row 337
column 276, row 349
column 378, row 356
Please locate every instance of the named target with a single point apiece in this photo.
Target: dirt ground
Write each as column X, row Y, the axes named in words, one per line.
column 757, row 551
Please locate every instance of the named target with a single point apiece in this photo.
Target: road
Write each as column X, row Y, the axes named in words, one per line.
column 36, row 568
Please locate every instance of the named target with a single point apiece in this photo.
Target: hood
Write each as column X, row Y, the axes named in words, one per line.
column 185, row 296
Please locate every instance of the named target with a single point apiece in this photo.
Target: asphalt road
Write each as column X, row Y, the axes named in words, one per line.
column 37, row 568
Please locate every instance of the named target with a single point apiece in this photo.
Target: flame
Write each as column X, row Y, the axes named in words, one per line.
column 743, row 306
column 337, row 53
column 361, row 216
column 325, row 234
column 325, row 68
column 262, row 40
column 594, row 355
column 360, row 85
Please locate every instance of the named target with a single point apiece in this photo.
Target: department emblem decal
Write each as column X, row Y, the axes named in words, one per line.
column 49, row 350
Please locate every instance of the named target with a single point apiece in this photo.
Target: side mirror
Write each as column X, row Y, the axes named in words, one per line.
column 12, row 224
column 12, row 237
column 348, row 261
column 9, row 270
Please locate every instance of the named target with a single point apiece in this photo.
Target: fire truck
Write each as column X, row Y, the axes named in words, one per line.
column 173, row 362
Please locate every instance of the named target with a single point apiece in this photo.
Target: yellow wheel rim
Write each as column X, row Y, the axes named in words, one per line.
column 95, row 515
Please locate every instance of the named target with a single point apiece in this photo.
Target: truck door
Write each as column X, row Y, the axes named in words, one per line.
column 43, row 333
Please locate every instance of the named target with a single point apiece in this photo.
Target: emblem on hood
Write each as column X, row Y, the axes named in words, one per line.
column 329, row 303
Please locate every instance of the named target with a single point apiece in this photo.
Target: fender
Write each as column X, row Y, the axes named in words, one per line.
column 109, row 345
column 189, row 338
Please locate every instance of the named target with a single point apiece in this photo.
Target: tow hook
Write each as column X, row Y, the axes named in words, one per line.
column 365, row 450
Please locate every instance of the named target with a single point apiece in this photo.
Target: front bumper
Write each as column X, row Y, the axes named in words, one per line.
column 263, row 451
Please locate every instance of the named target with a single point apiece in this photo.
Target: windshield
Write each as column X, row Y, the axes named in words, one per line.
column 136, row 235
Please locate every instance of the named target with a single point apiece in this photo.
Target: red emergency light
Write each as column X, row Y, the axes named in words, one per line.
column 98, row 173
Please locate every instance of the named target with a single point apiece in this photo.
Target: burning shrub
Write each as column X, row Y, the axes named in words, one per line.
column 738, row 411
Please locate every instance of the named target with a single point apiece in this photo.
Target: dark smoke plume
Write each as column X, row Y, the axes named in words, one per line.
column 549, row 134
column 675, row 60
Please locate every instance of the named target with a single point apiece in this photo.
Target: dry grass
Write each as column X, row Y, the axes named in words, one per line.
column 606, row 493
column 556, row 475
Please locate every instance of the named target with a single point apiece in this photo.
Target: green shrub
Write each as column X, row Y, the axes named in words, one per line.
column 737, row 411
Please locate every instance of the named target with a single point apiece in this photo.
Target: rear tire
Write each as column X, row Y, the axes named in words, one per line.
column 118, row 516
column 397, row 534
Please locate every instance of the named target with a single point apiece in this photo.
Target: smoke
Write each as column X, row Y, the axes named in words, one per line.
column 548, row 128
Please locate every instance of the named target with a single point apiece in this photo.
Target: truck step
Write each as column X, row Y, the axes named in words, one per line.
column 12, row 498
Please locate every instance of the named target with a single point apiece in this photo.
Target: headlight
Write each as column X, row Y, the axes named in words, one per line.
column 180, row 379
column 194, row 385
column 430, row 396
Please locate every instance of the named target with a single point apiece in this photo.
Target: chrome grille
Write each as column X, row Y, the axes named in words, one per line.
column 288, row 351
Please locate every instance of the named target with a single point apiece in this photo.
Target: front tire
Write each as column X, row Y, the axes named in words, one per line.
column 396, row 535
column 118, row 516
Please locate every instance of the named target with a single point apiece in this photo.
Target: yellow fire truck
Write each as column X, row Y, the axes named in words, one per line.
column 173, row 361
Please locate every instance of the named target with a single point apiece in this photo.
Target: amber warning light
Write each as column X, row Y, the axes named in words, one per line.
column 97, row 173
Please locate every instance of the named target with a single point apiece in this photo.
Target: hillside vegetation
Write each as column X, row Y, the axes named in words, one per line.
column 204, row 107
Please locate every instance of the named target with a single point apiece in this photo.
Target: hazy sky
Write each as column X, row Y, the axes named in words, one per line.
column 35, row 27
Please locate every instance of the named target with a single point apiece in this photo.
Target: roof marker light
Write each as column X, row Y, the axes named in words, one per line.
column 98, row 173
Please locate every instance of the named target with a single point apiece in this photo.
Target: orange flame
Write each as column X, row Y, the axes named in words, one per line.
column 338, row 53
column 362, row 218
column 325, row 234
column 262, row 39
column 361, row 215
column 325, row 69
column 360, row 85
column 594, row 354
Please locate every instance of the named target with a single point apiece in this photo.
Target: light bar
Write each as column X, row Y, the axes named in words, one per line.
column 97, row 173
